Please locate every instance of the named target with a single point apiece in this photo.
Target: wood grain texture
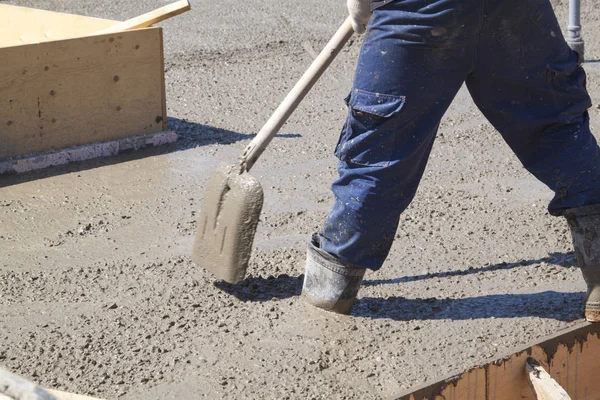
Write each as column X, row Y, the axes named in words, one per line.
column 72, row 92
column 571, row 358
column 23, row 25
column 542, row 384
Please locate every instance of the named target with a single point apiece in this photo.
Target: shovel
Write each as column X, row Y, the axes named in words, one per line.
column 234, row 198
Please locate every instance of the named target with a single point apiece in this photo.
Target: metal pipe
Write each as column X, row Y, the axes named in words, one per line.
column 574, row 39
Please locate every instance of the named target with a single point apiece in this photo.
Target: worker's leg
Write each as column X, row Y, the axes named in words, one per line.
column 413, row 60
column 585, row 230
column 529, row 84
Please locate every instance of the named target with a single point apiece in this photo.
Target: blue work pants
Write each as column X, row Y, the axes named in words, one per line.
column 415, row 56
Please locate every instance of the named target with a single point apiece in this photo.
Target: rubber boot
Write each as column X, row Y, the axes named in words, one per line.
column 329, row 284
column 585, row 229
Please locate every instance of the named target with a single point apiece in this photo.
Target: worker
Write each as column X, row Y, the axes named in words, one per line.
column 415, row 56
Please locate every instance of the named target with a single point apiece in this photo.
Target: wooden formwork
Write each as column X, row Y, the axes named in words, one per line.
column 62, row 86
column 571, row 359
column 14, row 387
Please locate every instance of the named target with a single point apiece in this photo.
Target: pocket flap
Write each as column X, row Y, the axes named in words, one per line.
column 383, row 105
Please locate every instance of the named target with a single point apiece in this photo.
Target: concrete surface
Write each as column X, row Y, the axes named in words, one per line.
column 98, row 295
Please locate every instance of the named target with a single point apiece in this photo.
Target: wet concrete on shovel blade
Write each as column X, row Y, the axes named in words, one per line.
column 99, row 295
column 227, row 223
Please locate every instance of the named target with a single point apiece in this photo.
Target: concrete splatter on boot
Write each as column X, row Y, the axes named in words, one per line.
column 328, row 284
column 585, row 229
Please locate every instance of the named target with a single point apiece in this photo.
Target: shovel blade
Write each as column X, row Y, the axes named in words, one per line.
column 227, row 223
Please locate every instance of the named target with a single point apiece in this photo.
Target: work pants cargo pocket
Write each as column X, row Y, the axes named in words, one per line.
column 368, row 136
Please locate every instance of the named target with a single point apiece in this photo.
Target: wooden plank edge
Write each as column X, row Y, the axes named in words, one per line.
column 571, row 336
column 35, row 161
column 32, row 26
column 59, row 396
column 150, row 18
column 14, row 386
column 542, row 384
column 163, row 80
column 65, row 40
column 69, row 396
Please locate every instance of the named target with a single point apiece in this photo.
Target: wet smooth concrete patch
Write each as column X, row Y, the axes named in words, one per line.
column 100, row 297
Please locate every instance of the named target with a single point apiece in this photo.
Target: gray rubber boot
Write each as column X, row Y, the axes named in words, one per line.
column 328, row 284
column 585, row 229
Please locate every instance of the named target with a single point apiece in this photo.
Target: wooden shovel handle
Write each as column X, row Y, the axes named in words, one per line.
column 150, row 18
column 295, row 96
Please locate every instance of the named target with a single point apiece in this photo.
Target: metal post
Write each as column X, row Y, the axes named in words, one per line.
column 574, row 39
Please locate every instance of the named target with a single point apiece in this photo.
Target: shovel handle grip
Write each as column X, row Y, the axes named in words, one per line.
column 295, row 96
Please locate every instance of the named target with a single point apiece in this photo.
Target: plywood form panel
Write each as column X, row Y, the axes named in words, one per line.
column 23, row 25
column 571, row 357
column 72, row 92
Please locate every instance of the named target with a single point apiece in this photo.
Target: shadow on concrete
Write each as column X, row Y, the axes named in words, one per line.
column 551, row 305
column 566, row 260
column 191, row 135
column 548, row 305
column 264, row 289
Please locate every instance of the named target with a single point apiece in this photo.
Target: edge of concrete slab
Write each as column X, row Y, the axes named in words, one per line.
column 35, row 161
